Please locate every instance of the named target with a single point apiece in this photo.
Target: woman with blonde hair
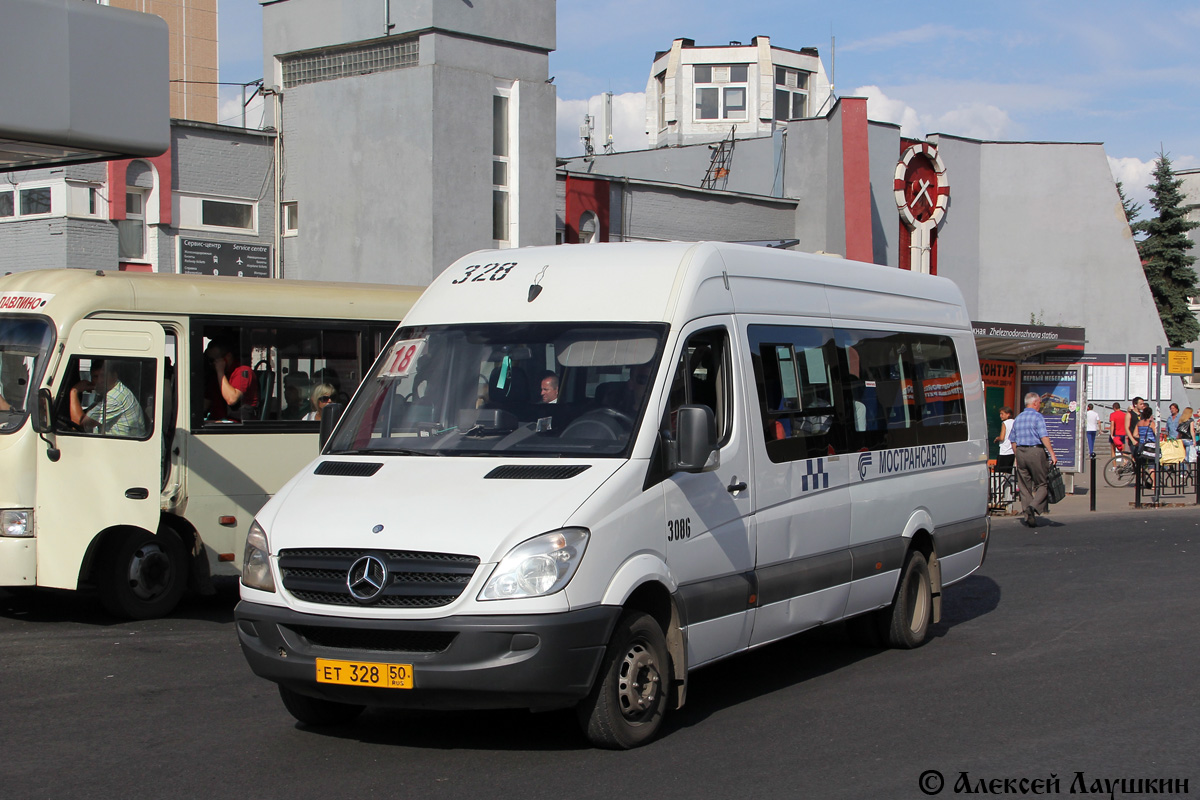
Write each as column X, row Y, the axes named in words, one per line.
column 322, row 395
column 1186, row 431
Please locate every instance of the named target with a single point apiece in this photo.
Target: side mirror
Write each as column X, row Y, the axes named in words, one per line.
column 43, row 416
column 695, row 447
column 329, row 420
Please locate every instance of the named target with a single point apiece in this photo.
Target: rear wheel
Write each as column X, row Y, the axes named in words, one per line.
column 143, row 576
column 315, row 711
column 906, row 623
column 1119, row 471
column 626, row 706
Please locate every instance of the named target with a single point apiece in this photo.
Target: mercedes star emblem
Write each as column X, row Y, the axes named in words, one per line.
column 367, row 578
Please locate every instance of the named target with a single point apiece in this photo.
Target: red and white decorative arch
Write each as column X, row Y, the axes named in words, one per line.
column 922, row 195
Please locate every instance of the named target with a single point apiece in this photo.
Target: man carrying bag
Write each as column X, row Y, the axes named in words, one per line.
column 1031, row 441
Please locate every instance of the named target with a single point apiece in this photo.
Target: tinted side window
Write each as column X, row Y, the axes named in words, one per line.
column 257, row 373
column 801, row 398
column 906, row 389
column 824, row 392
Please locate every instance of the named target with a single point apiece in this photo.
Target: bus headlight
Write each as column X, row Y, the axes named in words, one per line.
column 256, row 563
column 16, row 522
column 538, row 566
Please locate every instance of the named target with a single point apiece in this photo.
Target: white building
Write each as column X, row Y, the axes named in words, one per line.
column 699, row 94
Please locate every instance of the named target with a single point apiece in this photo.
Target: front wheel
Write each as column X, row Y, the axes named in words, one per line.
column 315, row 711
column 1119, row 472
column 143, row 576
column 905, row 624
column 626, row 706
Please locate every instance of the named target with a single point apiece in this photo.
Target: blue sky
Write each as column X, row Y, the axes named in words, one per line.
column 1125, row 74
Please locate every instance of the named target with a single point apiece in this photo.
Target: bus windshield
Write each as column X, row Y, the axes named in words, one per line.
column 536, row 389
column 24, row 345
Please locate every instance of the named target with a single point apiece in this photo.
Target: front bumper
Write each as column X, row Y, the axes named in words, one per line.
column 531, row 661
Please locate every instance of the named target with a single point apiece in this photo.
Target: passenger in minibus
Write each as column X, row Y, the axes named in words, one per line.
column 322, row 395
column 233, row 388
column 118, row 414
column 295, row 405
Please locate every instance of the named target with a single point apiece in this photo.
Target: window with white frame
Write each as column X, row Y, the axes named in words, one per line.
column 218, row 214
column 291, row 218
column 8, row 207
column 791, row 93
column 720, row 91
column 84, row 200
column 501, row 169
column 661, row 80
column 131, row 231
column 35, row 201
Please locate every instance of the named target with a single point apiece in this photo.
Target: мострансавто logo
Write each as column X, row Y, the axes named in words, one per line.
column 905, row 460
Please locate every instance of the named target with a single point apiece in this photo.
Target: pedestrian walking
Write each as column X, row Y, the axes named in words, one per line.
column 1116, row 428
column 1034, row 454
column 1093, row 427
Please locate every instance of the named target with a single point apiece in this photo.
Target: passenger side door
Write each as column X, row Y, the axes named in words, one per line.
column 709, row 528
column 109, row 470
column 802, row 507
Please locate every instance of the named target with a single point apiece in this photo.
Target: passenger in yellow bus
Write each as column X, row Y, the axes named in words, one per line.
column 117, row 414
column 322, row 395
column 234, row 392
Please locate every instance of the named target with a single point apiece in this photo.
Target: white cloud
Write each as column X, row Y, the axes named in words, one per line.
column 629, row 123
column 229, row 111
column 1136, row 176
column 972, row 120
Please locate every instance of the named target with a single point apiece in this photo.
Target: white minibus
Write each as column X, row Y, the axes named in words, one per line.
column 145, row 418
column 579, row 473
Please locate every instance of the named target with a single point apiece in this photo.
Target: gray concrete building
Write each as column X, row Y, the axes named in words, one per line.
column 182, row 211
column 410, row 133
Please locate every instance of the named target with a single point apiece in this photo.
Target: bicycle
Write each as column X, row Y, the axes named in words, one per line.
column 1120, row 471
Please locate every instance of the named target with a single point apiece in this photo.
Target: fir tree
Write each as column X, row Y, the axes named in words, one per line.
column 1165, row 257
column 1132, row 209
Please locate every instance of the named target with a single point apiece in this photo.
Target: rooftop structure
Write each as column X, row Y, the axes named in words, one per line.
column 698, row 94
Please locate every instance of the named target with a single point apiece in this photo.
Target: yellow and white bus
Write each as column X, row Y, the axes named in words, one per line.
column 145, row 419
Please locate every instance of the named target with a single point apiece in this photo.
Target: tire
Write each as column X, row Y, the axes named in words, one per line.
column 317, row 712
column 905, row 624
column 626, row 706
column 1119, row 472
column 143, row 576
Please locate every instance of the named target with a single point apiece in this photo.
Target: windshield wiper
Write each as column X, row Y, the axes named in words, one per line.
column 386, row 451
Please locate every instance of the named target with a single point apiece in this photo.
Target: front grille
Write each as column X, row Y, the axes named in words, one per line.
column 415, row 580
column 382, row 641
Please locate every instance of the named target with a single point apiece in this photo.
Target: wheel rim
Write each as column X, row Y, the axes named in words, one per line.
column 639, row 683
column 918, row 602
column 149, row 572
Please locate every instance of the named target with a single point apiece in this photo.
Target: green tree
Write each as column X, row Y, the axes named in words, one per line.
column 1165, row 257
column 1132, row 209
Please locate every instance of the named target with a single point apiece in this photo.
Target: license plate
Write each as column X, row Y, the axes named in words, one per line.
column 365, row 673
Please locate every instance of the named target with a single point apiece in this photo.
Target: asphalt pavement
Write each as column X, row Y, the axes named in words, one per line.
column 1069, row 656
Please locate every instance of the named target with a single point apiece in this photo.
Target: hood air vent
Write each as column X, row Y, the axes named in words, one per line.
column 353, row 469
column 521, row 472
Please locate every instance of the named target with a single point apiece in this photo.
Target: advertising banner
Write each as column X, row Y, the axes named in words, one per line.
column 1059, row 389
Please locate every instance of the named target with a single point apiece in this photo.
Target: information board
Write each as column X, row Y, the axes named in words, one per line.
column 238, row 259
column 1059, row 389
